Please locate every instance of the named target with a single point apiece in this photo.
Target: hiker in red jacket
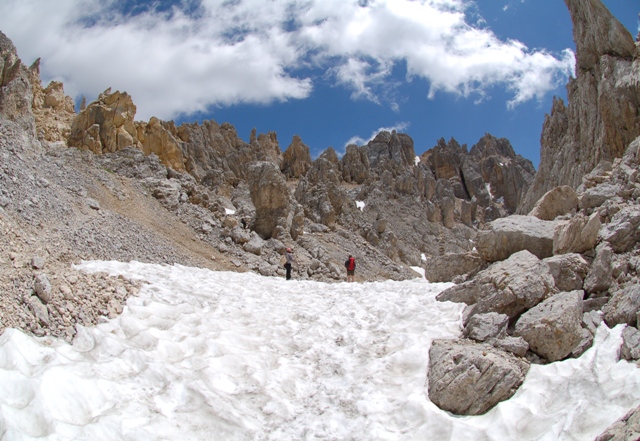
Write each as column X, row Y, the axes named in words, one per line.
column 350, row 265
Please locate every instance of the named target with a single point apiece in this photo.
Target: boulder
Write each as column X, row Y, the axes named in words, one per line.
column 553, row 328
column 577, row 235
column 506, row 236
column 623, row 232
column 630, row 349
column 468, row 378
column 509, row 287
column 568, row 271
column 556, row 202
column 42, row 288
column 254, row 246
column 447, row 267
column 516, row 345
column 623, row 307
column 625, row 429
column 596, row 196
column 482, row 327
column 600, row 276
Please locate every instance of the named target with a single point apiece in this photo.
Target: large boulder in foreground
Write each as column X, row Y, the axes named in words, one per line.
column 554, row 327
column 506, row 236
column 509, row 287
column 468, row 378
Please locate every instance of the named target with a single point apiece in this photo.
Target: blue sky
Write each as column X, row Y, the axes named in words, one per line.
column 330, row 71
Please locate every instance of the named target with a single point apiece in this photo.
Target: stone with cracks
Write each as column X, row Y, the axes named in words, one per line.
column 623, row 307
column 577, row 235
column 553, row 328
column 509, row 287
column 482, row 327
column 468, row 378
column 568, row 271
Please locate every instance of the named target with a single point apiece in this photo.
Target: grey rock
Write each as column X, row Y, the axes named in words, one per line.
column 600, row 277
column 623, row 307
column 516, row 345
column 623, row 232
column 42, row 288
column 37, row 262
column 568, row 271
column 591, row 320
column 597, row 196
column 445, row 268
column 40, row 311
column 469, row 378
column 626, row 428
column 506, row 236
column 630, row 349
column 254, row 246
column 586, row 341
column 509, row 287
column 482, row 327
column 553, row 328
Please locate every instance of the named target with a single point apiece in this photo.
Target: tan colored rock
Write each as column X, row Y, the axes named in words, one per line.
column 155, row 138
column 113, row 113
column 577, row 235
column 556, row 202
column 297, row 159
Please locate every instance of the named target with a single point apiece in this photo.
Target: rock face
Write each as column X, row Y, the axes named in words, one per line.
column 15, row 87
column 466, row 378
column 271, row 199
column 601, row 117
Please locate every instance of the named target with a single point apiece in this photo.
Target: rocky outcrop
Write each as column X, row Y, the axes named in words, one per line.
column 53, row 111
column 16, row 93
column 276, row 214
column 106, row 125
column 296, row 159
column 601, row 117
column 467, row 378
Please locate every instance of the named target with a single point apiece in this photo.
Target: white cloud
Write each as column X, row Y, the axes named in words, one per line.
column 357, row 140
column 252, row 51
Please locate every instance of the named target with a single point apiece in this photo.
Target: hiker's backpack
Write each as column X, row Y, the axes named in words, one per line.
column 351, row 264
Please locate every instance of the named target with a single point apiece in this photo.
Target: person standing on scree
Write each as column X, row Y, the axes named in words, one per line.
column 350, row 265
column 289, row 262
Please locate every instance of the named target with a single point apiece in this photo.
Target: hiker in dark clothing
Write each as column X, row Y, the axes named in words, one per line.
column 289, row 262
column 350, row 265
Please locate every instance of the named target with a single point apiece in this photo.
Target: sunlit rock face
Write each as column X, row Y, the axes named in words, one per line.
column 601, row 117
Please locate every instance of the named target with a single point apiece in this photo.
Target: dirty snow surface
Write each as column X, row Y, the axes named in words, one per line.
column 202, row 355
